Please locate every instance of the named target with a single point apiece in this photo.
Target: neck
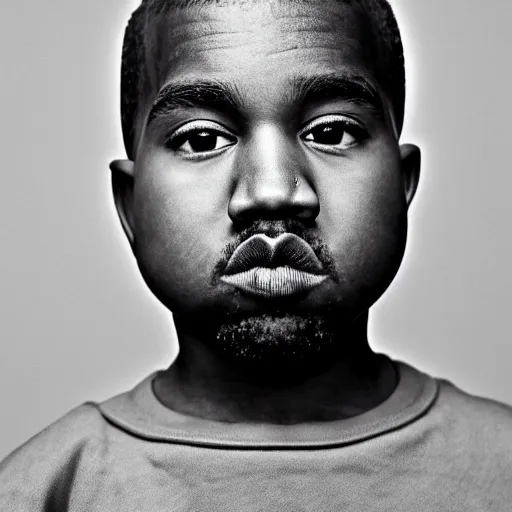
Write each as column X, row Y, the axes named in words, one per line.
column 347, row 383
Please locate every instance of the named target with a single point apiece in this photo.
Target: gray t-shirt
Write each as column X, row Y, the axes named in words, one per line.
column 428, row 447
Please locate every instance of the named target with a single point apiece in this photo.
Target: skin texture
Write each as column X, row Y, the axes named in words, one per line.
column 243, row 357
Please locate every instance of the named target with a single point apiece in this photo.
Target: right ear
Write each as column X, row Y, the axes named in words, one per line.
column 122, row 187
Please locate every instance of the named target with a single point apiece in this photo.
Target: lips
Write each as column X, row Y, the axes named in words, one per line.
column 274, row 267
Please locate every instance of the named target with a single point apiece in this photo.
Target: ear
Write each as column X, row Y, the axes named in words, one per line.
column 122, row 187
column 411, row 163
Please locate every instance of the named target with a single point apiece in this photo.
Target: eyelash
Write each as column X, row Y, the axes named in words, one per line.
column 349, row 126
column 182, row 135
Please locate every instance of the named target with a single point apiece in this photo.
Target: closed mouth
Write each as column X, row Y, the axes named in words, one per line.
column 274, row 267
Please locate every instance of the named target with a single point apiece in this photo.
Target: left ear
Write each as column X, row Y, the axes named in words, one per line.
column 411, row 163
column 122, row 188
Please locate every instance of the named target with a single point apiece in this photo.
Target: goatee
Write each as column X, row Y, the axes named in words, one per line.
column 278, row 346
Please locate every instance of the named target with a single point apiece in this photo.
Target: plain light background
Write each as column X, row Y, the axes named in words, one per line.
column 77, row 322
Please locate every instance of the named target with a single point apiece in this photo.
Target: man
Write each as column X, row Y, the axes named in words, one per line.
column 265, row 197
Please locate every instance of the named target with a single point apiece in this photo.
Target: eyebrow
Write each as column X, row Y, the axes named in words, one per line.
column 353, row 88
column 302, row 90
column 197, row 93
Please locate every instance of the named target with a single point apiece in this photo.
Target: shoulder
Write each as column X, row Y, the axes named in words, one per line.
column 82, row 424
column 474, row 424
column 37, row 467
column 483, row 413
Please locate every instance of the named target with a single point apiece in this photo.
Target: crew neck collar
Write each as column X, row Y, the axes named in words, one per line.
column 140, row 413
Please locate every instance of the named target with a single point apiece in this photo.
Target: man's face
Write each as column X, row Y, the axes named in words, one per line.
column 268, row 175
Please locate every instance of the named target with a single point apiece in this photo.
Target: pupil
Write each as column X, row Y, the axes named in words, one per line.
column 203, row 141
column 330, row 134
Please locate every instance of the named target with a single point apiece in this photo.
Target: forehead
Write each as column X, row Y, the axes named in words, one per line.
column 258, row 44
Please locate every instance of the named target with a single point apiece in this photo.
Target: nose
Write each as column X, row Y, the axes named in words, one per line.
column 272, row 180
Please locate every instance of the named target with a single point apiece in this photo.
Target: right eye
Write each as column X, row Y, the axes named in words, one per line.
column 200, row 138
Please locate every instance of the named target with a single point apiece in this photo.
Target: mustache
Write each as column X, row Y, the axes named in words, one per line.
column 274, row 229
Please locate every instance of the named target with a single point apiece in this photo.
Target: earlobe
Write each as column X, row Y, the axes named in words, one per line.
column 122, row 188
column 411, row 163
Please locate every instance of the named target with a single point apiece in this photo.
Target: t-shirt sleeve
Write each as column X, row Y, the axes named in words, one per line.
column 38, row 476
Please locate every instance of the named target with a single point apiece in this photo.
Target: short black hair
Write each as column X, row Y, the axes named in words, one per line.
column 133, row 67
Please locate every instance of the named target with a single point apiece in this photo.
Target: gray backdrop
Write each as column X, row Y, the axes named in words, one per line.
column 77, row 322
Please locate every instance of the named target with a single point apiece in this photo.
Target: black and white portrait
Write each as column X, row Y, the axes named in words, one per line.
column 256, row 256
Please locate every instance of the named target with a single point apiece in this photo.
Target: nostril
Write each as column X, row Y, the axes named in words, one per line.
column 309, row 213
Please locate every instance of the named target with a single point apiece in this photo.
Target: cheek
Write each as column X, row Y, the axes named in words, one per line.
column 180, row 230
column 364, row 220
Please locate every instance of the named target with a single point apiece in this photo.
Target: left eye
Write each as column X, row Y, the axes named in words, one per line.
column 333, row 133
column 199, row 140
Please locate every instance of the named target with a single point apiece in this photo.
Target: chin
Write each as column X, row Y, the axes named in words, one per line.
column 277, row 346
